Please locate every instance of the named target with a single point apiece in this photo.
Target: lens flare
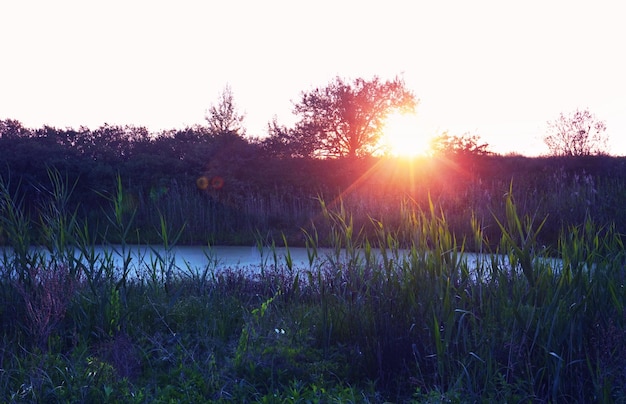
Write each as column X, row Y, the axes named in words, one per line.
column 202, row 183
column 217, row 182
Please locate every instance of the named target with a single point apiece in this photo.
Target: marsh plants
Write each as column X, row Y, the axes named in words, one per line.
column 421, row 326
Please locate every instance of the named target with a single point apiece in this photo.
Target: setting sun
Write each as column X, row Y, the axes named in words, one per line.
column 401, row 137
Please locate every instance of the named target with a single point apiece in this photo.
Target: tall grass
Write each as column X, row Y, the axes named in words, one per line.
column 524, row 328
column 394, row 310
column 233, row 213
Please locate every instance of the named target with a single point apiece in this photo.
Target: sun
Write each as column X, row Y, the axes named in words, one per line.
column 401, row 137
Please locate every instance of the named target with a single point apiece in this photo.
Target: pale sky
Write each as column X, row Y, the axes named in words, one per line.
column 497, row 69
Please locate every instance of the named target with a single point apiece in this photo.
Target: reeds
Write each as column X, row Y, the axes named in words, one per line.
column 393, row 310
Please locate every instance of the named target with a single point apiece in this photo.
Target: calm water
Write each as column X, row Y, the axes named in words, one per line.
column 197, row 258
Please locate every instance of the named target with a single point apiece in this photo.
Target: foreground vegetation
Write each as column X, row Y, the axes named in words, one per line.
column 417, row 325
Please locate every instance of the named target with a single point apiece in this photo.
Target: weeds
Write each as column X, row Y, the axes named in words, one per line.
column 46, row 295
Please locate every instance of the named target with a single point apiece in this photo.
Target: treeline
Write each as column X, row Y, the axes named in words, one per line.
column 223, row 188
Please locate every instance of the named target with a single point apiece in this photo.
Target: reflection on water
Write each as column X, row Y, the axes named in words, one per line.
column 190, row 257
column 143, row 258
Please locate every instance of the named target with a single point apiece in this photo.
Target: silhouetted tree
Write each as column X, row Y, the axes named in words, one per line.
column 346, row 119
column 579, row 133
column 466, row 144
column 283, row 142
column 223, row 117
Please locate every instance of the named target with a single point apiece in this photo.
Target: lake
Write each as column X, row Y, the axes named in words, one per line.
column 197, row 258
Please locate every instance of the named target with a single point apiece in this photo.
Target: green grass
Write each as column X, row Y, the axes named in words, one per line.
column 415, row 324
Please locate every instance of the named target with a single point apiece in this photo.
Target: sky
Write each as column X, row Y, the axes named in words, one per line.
column 497, row 69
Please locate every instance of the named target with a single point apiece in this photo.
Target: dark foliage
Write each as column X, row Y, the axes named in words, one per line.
column 226, row 189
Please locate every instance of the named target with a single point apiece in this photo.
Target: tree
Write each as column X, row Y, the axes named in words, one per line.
column 346, row 119
column 12, row 129
column 223, row 118
column 465, row 144
column 282, row 142
column 579, row 133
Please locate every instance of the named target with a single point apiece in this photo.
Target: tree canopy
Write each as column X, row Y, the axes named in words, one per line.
column 344, row 118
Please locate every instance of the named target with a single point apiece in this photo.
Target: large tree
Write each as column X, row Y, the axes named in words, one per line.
column 579, row 133
column 346, row 119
